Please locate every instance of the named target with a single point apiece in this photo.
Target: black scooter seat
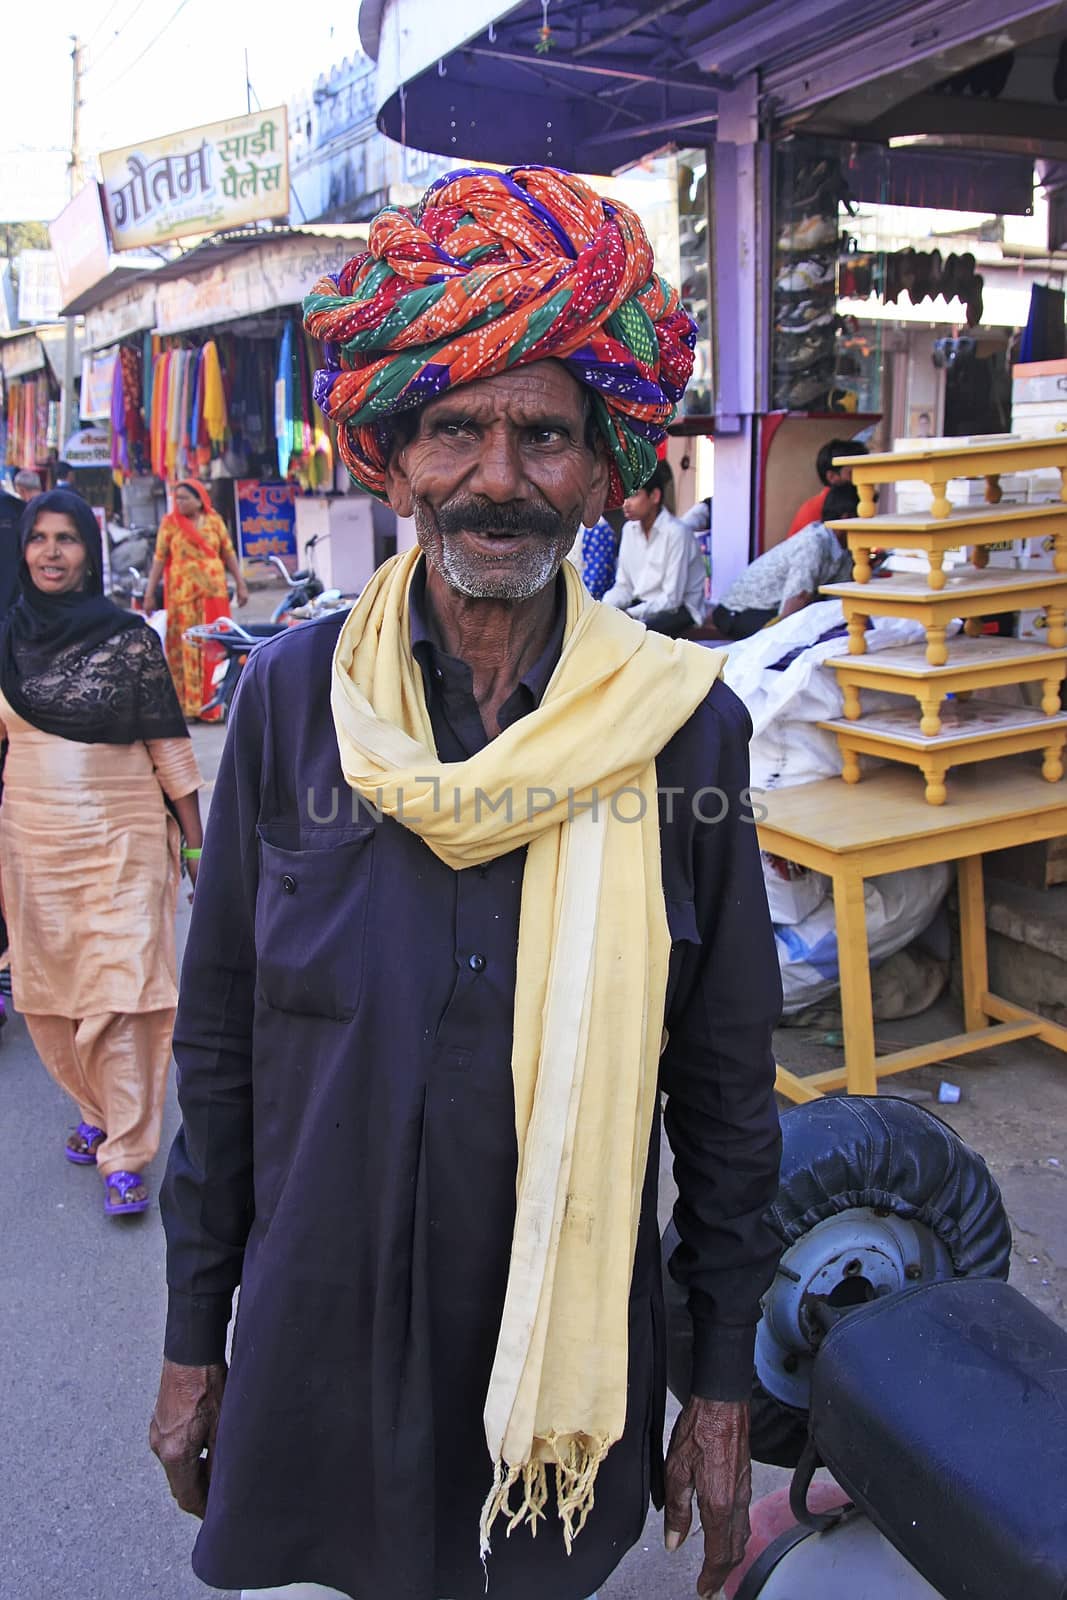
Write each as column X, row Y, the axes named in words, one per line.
column 942, row 1411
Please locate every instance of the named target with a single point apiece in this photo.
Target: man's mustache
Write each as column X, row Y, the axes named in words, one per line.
column 513, row 520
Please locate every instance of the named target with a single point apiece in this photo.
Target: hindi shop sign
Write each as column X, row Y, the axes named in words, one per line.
column 266, row 519
column 200, row 181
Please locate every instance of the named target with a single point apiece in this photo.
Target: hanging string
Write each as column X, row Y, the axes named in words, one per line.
column 544, row 38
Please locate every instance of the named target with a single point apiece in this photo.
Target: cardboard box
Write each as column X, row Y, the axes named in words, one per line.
column 1033, row 625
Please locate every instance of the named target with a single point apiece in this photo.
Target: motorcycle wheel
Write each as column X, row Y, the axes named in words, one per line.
column 872, row 1180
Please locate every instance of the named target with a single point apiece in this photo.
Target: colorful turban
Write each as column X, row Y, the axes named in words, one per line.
column 496, row 270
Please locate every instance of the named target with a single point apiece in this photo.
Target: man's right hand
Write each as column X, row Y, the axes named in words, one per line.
column 183, row 1428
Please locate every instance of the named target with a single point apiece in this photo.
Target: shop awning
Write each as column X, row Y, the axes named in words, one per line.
column 236, row 276
column 226, row 278
column 614, row 81
column 38, row 350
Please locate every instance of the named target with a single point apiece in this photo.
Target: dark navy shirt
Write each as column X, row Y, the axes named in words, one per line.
column 348, row 1156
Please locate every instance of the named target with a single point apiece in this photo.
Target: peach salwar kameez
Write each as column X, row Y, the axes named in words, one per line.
column 89, row 857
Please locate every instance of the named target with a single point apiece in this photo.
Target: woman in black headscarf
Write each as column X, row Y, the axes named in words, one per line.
column 89, row 846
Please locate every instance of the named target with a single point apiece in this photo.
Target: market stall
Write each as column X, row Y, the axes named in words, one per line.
column 207, row 373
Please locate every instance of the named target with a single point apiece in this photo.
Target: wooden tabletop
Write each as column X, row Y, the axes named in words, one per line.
column 961, row 581
column 960, row 520
column 964, row 655
column 962, row 722
column 888, row 806
column 938, row 454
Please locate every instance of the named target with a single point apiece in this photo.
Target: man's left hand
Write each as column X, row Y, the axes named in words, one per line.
column 709, row 1456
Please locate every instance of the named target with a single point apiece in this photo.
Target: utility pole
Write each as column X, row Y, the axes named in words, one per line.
column 77, row 178
column 77, row 171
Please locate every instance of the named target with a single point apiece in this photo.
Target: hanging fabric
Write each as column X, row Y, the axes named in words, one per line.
column 283, row 400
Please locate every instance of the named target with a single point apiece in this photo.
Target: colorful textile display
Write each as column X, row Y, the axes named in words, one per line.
column 32, row 424
column 497, row 270
column 283, row 400
column 212, row 395
column 202, row 403
column 128, row 435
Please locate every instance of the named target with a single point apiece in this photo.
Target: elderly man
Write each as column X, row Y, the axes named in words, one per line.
column 27, row 483
column 480, row 882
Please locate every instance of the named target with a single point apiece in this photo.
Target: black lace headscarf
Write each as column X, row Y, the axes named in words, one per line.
column 76, row 665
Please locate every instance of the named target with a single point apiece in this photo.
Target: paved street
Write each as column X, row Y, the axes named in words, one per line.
column 85, row 1510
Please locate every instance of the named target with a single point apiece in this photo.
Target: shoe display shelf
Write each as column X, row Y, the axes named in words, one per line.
column 945, row 727
column 988, row 460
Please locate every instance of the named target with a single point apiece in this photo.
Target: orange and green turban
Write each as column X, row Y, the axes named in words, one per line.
column 496, row 270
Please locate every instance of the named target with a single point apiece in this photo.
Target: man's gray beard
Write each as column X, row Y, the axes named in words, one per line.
column 475, row 577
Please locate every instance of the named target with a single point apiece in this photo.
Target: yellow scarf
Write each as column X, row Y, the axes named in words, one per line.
column 567, row 782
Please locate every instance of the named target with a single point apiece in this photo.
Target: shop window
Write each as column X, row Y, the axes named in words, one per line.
column 821, row 361
column 693, row 269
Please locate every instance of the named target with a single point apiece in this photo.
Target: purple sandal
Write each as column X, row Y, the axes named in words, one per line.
column 91, row 1137
column 122, row 1183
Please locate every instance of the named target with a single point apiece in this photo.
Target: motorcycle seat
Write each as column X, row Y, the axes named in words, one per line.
column 942, row 1411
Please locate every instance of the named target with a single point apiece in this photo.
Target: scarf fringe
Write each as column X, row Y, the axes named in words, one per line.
column 577, row 1460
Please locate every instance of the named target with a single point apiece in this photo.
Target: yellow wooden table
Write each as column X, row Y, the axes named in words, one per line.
column 973, row 664
column 971, row 529
column 978, row 730
column 883, row 826
column 937, row 466
column 967, row 593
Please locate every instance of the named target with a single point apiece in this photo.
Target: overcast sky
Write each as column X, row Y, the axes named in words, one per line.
column 189, row 72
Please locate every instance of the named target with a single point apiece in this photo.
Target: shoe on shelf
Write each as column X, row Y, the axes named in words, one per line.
column 815, row 183
column 974, row 302
column 798, row 356
column 811, row 273
column 804, row 392
column 807, row 315
column 809, row 233
column 841, row 399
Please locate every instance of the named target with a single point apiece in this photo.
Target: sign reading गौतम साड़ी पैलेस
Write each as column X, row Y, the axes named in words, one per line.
column 199, row 181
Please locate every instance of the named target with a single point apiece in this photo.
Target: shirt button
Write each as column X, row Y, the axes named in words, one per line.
column 476, row 963
column 289, row 884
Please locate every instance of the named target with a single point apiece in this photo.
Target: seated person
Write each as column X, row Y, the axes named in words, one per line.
column 593, row 553
column 812, row 510
column 789, row 576
column 660, row 574
column 698, row 518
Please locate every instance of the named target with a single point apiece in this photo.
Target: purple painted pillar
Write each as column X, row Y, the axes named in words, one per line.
column 741, row 264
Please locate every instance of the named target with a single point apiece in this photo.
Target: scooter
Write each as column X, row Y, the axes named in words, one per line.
column 302, row 587
column 236, row 640
column 891, row 1352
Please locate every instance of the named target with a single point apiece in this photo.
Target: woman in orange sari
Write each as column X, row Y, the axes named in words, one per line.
column 193, row 553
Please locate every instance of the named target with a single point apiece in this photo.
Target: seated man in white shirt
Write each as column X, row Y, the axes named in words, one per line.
column 660, row 574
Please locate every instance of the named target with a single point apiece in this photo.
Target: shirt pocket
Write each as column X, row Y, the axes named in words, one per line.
column 311, row 918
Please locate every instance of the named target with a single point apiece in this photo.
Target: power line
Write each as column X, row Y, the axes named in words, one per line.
column 105, row 19
column 149, row 46
column 117, row 35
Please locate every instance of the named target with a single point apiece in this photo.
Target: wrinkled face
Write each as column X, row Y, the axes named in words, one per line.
column 55, row 554
column 498, row 477
column 186, row 503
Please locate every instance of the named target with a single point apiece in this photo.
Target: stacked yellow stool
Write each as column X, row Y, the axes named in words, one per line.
column 928, row 735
